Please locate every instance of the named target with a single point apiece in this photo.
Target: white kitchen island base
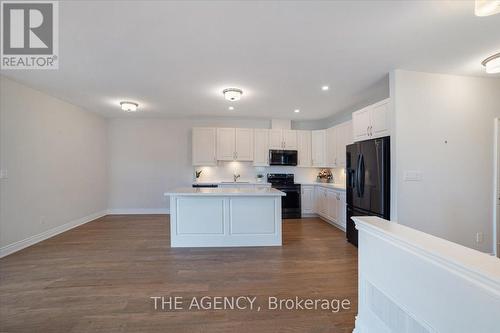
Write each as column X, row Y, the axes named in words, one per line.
column 215, row 217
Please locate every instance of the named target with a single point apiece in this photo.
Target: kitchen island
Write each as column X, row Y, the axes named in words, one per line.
column 219, row 217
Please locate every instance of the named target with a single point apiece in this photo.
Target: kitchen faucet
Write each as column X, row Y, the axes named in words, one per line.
column 235, row 177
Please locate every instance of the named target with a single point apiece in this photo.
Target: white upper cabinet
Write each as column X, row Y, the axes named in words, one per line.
column 372, row 122
column 344, row 138
column 331, row 147
column 304, row 148
column 349, row 133
column 380, row 121
column 290, row 139
column 275, row 139
column 361, row 124
column 318, row 148
column 244, row 144
column 282, row 139
column 226, row 140
column 235, row 144
column 204, row 146
column 261, row 147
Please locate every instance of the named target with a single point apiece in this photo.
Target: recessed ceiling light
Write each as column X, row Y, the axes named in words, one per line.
column 232, row 94
column 231, row 108
column 492, row 64
column 296, row 110
column 325, row 88
column 487, row 7
column 129, row 106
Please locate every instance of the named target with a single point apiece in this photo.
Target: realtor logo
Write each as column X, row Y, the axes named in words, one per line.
column 29, row 35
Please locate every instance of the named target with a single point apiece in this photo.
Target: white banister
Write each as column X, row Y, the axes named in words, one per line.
column 410, row 281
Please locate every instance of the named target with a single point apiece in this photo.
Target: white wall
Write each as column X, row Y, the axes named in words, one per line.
column 55, row 155
column 443, row 128
column 150, row 156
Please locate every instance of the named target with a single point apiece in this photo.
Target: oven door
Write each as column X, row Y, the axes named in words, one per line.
column 282, row 157
column 290, row 203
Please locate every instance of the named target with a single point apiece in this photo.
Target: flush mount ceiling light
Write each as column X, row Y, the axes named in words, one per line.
column 487, row 7
column 296, row 110
column 231, row 108
column 492, row 64
column 129, row 106
column 232, row 94
column 325, row 88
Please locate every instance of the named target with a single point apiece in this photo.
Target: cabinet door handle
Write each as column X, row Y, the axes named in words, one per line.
column 368, row 131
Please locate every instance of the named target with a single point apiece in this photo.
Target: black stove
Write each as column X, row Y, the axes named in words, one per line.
column 290, row 204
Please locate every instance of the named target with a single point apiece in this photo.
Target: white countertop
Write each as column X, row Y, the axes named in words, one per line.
column 340, row 187
column 223, row 182
column 466, row 258
column 222, row 192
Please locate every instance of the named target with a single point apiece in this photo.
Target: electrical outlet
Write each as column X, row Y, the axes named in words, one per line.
column 479, row 237
column 42, row 220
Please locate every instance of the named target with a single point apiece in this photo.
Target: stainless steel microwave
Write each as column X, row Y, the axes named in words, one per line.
column 282, row 157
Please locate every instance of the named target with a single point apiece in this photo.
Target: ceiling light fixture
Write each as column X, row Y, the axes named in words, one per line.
column 129, row 106
column 325, row 88
column 296, row 110
column 231, row 108
column 232, row 94
column 487, row 7
column 492, row 64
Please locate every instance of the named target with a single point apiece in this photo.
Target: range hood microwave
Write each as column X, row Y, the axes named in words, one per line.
column 282, row 157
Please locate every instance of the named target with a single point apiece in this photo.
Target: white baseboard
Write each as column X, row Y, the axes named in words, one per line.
column 336, row 225
column 137, row 211
column 19, row 245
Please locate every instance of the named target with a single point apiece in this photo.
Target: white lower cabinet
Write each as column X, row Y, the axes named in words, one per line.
column 321, row 201
column 329, row 204
column 342, row 210
column 307, row 200
column 332, row 205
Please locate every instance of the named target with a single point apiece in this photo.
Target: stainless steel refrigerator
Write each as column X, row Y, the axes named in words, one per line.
column 368, row 182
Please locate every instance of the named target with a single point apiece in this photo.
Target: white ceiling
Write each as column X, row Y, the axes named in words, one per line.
column 174, row 58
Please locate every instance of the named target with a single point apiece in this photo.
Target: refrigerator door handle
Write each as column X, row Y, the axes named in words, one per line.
column 357, row 176
column 362, row 175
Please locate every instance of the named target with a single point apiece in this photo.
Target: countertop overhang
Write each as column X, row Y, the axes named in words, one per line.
column 223, row 192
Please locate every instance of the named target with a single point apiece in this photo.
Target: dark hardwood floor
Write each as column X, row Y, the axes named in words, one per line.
column 99, row 277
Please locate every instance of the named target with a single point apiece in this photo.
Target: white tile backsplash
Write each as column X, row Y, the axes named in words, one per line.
column 224, row 172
